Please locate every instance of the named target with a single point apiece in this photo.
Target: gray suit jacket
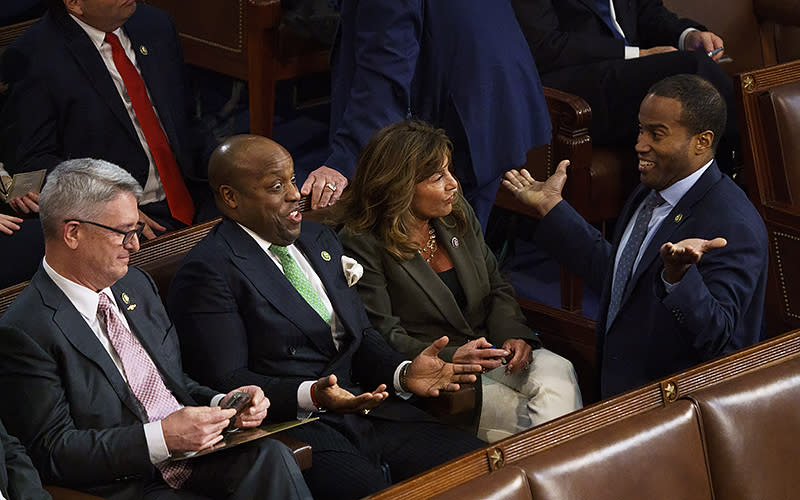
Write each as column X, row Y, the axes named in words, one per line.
column 411, row 306
column 73, row 410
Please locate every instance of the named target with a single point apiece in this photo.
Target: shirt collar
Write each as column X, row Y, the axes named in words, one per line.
column 673, row 194
column 84, row 299
column 264, row 244
column 98, row 37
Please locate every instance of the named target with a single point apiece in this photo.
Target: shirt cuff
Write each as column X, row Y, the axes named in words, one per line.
column 668, row 287
column 305, row 405
column 631, row 52
column 682, row 39
column 216, row 399
column 156, row 444
column 398, row 390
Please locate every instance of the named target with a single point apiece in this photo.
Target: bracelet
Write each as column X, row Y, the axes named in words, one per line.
column 313, row 399
column 403, row 378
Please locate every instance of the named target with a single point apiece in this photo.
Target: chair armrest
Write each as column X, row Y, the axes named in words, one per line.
column 300, row 450
column 263, row 14
column 59, row 493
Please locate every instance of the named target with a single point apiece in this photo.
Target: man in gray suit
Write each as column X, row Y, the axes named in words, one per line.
column 93, row 363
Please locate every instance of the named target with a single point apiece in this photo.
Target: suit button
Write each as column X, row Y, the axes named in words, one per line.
column 291, row 350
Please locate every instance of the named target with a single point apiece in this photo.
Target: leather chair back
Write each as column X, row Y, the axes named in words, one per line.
column 751, row 430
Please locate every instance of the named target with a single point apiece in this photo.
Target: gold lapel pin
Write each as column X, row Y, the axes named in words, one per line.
column 125, row 298
column 325, row 256
column 454, row 242
column 678, row 218
column 143, row 50
column 132, row 307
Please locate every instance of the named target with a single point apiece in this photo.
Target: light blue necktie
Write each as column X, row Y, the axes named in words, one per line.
column 604, row 8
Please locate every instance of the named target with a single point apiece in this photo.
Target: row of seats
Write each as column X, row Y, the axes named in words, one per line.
column 725, row 429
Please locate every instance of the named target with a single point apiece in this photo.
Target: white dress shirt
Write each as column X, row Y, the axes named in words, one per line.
column 633, row 52
column 305, row 405
column 153, row 190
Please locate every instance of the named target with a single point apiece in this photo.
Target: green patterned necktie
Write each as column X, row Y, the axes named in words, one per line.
column 300, row 281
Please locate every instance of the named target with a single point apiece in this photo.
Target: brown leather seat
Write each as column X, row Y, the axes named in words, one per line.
column 752, row 432
column 508, row 483
column 656, row 455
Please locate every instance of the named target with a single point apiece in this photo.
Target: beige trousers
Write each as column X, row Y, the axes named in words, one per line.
column 513, row 403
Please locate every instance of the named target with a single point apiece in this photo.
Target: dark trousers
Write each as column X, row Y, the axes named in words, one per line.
column 362, row 455
column 262, row 469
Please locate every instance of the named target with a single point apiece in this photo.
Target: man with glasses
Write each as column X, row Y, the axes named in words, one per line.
column 92, row 372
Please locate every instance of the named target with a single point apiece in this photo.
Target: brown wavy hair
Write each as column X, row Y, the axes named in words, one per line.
column 378, row 199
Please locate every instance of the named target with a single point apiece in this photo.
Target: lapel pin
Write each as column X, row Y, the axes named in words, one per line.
column 454, row 242
column 678, row 218
column 125, row 298
column 132, row 307
column 325, row 256
column 143, row 50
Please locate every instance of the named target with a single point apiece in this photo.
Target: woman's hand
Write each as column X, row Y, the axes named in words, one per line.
column 481, row 352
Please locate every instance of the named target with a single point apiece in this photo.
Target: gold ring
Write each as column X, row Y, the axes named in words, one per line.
column 331, row 186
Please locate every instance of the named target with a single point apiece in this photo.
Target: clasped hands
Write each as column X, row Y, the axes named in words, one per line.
column 426, row 376
column 516, row 354
column 193, row 428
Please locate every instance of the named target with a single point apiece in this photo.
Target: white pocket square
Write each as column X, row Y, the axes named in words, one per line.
column 353, row 271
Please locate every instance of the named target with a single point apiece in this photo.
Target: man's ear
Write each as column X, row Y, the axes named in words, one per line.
column 229, row 196
column 74, row 7
column 70, row 234
column 703, row 142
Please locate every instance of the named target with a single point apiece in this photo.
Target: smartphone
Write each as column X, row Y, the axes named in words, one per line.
column 238, row 401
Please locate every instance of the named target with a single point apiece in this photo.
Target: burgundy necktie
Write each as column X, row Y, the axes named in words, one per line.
column 178, row 198
column 145, row 383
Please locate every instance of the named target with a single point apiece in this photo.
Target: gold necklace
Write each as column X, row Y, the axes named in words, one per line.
column 430, row 247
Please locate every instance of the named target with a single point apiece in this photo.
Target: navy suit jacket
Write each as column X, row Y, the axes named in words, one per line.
column 572, row 32
column 242, row 322
column 18, row 477
column 73, row 410
column 64, row 104
column 718, row 306
column 461, row 65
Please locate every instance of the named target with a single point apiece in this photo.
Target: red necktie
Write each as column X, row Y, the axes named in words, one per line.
column 145, row 383
column 178, row 198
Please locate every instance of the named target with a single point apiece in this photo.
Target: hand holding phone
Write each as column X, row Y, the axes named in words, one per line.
column 238, row 401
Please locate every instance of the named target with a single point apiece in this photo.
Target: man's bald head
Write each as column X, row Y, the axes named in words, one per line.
column 253, row 182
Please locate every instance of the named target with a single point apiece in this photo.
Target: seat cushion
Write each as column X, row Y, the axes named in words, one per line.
column 508, row 483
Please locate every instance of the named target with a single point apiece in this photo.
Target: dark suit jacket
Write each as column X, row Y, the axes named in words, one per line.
column 64, row 104
column 718, row 306
column 572, row 33
column 73, row 410
column 18, row 477
column 411, row 306
column 242, row 322
column 459, row 64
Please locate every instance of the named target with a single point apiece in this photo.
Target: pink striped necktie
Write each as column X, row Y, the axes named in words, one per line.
column 145, row 383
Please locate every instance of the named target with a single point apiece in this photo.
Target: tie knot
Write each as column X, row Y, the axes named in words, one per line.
column 654, row 199
column 112, row 40
column 279, row 251
column 104, row 303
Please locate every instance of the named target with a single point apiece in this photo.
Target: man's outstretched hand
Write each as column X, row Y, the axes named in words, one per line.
column 679, row 257
column 428, row 373
column 541, row 196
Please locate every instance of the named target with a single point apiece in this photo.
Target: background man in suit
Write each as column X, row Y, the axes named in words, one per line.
column 261, row 301
column 610, row 52
column 704, row 296
column 18, row 477
column 461, row 65
column 94, row 367
column 104, row 79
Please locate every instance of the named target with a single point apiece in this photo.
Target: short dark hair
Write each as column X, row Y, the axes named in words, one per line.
column 703, row 108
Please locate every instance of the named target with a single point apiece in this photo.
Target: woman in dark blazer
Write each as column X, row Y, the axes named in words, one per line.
column 428, row 273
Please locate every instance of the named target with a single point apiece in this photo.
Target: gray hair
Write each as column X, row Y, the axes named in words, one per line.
column 78, row 189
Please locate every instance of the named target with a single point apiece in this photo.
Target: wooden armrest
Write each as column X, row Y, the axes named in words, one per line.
column 300, row 450
column 263, row 14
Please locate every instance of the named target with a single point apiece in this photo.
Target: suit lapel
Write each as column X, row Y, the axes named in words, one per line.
column 270, row 282
column 88, row 58
column 75, row 329
column 679, row 214
column 434, row 287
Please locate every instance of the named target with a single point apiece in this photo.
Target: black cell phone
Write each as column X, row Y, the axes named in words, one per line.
column 238, row 401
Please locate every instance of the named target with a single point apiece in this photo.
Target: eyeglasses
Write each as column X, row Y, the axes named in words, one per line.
column 127, row 235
